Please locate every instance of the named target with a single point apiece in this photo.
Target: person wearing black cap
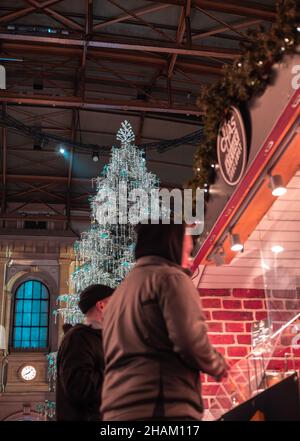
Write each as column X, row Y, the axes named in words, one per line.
column 154, row 335
column 80, row 362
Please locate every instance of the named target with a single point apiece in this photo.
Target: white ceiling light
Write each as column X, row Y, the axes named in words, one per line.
column 277, row 249
column 276, row 184
column 236, row 244
column 95, row 156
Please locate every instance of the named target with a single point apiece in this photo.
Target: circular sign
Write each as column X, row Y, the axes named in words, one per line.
column 232, row 148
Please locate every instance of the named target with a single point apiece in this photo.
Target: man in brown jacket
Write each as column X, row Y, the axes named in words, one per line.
column 155, row 337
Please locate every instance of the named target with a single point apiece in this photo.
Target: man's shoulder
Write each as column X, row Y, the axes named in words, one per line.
column 79, row 333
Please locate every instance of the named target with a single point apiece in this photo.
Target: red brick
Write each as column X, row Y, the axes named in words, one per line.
column 237, row 351
column 232, row 315
column 248, row 293
column 215, row 327
column 292, row 304
column 261, row 315
column 224, row 339
column 232, row 304
column 205, row 403
column 234, row 327
column 275, row 304
column 281, row 316
column 210, row 389
column 278, row 364
column 284, row 294
column 248, row 327
column 211, row 303
column 244, row 339
column 207, row 315
column 221, row 349
column 204, row 292
column 253, row 304
column 211, row 380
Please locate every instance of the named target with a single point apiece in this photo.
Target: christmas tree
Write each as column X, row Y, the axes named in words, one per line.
column 105, row 254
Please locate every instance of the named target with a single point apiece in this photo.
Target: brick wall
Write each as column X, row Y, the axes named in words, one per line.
column 230, row 313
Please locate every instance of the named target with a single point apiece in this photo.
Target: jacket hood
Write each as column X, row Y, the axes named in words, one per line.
column 160, row 240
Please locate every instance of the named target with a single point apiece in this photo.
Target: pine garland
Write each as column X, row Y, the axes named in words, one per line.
column 246, row 78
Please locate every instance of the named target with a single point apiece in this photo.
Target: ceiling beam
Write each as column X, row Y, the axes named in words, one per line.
column 88, row 104
column 213, row 32
column 14, row 15
column 185, row 12
column 134, row 45
column 112, row 55
column 50, row 218
column 105, row 84
column 237, row 7
column 138, row 12
column 64, row 180
column 70, row 24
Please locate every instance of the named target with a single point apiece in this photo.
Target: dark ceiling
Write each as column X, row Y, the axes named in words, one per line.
column 78, row 68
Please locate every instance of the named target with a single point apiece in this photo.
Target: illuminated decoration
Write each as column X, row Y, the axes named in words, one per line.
column 46, row 410
column 105, row 253
column 51, row 371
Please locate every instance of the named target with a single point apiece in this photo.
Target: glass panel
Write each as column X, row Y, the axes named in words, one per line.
column 19, row 305
column 27, row 305
column 43, row 333
column 34, row 334
column 45, row 294
column 35, row 344
column 44, row 306
column 19, row 319
column 37, row 290
column 43, row 344
column 18, row 333
column 26, row 334
column 26, row 344
column 28, row 289
column 35, row 306
column 17, row 344
column 44, row 320
column 35, row 319
column 26, row 319
column 270, row 362
column 20, row 292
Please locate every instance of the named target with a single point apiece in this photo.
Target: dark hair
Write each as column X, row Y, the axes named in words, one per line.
column 164, row 240
column 66, row 327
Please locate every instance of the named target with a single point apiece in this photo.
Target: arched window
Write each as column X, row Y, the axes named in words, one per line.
column 31, row 316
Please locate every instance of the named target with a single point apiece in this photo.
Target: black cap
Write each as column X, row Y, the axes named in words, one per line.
column 93, row 294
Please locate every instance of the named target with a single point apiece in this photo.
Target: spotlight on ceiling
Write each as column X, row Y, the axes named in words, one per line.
column 95, row 156
column 277, row 249
column 276, row 184
column 62, row 150
column 235, row 243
